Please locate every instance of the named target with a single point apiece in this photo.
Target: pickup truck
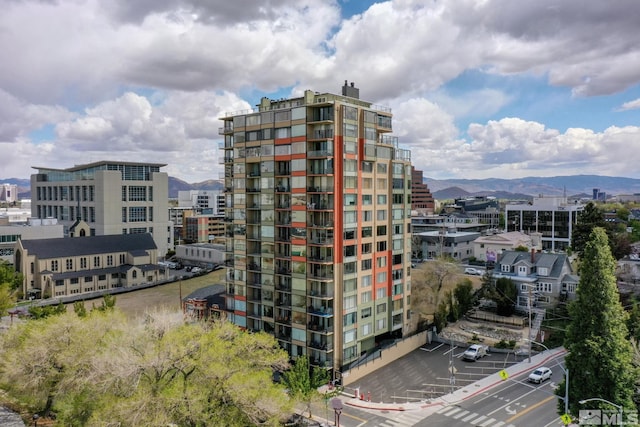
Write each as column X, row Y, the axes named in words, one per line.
column 475, row 352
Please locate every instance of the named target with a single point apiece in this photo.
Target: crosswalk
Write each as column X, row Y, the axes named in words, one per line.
column 403, row 419
column 473, row 418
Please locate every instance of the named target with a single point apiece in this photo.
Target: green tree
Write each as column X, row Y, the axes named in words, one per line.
column 589, row 218
column 464, row 295
column 9, row 284
column 505, row 296
column 80, row 309
column 502, row 291
column 303, row 382
column 600, row 356
column 105, row 369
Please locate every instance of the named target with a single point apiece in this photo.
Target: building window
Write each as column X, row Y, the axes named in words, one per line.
column 109, row 260
column 138, row 214
column 365, row 297
column 96, row 261
column 366, row 312
column 381, row 293
column 69, row 264
column 381, row 308
column 137, row 193
column 73, row 281
column 365, row 265
column 381, row 277
column 381, row 230
column 124, row 193
column 124, row 216
column 350, row 302
column 350, row 336
column 88, row 279
column 366, row 329
column 54, row 265
column 83, row 262
column 349, row 319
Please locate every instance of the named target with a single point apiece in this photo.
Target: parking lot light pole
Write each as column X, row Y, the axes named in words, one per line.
column 618, row 407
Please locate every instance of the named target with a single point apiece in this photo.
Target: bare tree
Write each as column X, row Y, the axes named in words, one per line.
column 428, row 282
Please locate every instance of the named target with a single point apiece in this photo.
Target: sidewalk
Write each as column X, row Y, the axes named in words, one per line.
column 466, row 392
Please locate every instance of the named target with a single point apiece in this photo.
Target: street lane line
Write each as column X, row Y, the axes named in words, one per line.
column 453, row 411
column 532, row 407
column 489, row 421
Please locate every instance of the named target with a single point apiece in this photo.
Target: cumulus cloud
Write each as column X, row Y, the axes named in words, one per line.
column 157, row 75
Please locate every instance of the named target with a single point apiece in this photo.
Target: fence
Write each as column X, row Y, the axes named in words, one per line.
column 387, row 355
column 494, row 318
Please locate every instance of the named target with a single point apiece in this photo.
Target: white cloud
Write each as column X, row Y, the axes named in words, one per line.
column 157, row 75
column 631, row 105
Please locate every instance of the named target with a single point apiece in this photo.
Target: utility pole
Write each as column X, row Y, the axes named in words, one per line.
column 530, row 309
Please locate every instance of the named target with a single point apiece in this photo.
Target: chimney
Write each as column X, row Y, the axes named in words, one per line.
column 533, row 255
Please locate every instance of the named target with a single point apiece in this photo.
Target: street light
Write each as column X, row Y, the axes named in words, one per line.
column 618, row 407
column 336, row 404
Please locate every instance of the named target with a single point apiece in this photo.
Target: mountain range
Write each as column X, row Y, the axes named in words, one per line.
column 517, row 188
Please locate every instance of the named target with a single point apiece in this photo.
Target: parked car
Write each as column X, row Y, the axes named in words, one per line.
column 475, row 352
column 196, row 270
column 473, row 271
column 540, row 375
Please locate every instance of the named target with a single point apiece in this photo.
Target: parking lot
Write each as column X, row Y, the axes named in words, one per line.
column 425, row 373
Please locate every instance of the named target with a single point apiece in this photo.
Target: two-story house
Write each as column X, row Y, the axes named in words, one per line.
column 547, row 277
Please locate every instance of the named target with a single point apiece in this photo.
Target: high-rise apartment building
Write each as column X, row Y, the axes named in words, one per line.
column 318, row 231
column 111, row 197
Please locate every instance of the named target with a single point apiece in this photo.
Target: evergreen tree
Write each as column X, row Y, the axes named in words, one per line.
column 600, row 357
column 589, row 218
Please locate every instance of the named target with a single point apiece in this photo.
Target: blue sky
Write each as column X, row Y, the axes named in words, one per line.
column 478, row 89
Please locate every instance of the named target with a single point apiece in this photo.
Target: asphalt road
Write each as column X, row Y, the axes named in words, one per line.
column 514, row 403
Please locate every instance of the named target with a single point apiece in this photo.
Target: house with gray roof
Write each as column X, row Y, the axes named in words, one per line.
column 547, row 277
column 70, row 266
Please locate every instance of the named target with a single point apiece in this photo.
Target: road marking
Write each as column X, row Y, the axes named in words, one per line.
column 486, row 423
column 460, row 415
column 532, row 407
column 448, row 414
column 433, row 349
column 510, row 411
column 451, row 349
column 344, row 414
column 477, row 420
column 468, row 417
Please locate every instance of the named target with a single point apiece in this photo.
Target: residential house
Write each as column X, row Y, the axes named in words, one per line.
column 488, row 248
column 545, row 277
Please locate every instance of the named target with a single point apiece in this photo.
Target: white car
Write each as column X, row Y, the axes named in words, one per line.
column 475, row 352
column 540, row 375
column 472, row 271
